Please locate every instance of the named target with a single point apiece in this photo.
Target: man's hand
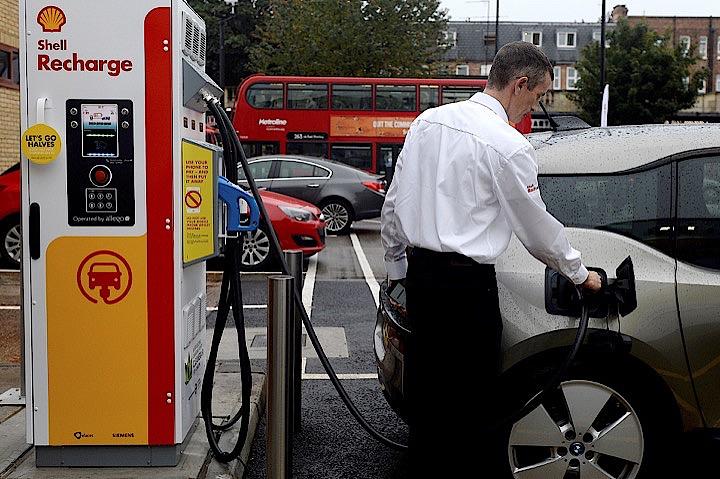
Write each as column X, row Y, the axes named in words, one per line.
column 394, row 282
column 593, row 282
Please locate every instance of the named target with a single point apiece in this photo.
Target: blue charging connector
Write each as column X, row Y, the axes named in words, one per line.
column 231, row 194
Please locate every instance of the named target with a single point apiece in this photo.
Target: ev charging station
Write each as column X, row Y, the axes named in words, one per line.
column 120, row 211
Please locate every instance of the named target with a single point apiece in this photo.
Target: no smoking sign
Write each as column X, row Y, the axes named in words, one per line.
column 193, row 199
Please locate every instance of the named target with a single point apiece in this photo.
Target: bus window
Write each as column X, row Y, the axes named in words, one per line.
column 429, row 97
column 395, row 97
column 306, row 96
column 357, row 155
column 260, row 148
column 352, row 97
column 307, row 148
column 266, row 95
column 452, row 94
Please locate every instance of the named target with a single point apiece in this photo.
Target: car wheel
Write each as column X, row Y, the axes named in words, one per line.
column 256, row 251
column 595, row 425
column 338, row 216
column 11, row 246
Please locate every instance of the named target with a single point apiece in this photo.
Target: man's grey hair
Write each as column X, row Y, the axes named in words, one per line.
column 519, row 59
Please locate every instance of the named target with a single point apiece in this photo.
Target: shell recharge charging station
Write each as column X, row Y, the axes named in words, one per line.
column 120, row 211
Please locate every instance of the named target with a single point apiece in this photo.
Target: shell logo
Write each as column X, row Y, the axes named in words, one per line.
column 51, row 18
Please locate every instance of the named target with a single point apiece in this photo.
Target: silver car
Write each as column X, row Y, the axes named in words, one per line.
column 648, row 192
column 343, row 193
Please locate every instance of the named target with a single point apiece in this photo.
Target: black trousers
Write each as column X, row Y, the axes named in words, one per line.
column 453, row 363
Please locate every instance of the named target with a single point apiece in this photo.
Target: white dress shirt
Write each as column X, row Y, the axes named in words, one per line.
column 466, row 180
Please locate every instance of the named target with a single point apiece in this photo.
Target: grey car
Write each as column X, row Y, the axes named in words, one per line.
column 343, row 193
column 648, row 192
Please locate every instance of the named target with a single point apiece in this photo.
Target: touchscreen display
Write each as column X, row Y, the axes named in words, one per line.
column 100, row 130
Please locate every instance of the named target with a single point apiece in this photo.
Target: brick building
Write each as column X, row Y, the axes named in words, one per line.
column 704, row 34
column 472, row 49
column 9, row 85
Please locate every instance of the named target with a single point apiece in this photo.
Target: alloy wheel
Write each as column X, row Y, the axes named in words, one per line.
column 13, row 243
column 256, row 248
column 336, row 217
column 583, row 430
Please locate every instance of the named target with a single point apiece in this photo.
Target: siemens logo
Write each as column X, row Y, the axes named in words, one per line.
column 123, row 434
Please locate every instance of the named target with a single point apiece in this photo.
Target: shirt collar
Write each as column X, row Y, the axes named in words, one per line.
column 490, row 102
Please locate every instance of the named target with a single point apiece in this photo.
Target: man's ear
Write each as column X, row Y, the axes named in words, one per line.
column 519, row 83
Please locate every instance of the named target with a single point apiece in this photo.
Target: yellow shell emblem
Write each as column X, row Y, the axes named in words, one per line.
column 51, row 18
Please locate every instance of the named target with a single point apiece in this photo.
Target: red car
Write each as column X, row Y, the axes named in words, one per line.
column 10, row 239
column 299, row 225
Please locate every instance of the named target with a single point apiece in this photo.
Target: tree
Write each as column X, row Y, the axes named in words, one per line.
column 350, row 38
column 239, row 29
column 647, row 77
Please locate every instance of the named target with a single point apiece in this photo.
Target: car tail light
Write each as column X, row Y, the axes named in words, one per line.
column 376, row 186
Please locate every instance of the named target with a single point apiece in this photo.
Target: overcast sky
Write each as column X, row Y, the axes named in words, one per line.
column 574, row 10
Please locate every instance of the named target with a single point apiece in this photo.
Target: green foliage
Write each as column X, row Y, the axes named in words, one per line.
column 350, row 38
column 646, row 76
column 239, row 29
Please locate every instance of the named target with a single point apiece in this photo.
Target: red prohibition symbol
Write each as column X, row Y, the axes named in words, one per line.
column 193, row 199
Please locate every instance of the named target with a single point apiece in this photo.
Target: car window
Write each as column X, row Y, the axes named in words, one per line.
column 636, row 205
column 321, row 172
column 295, row 169
column 259, row 169
column 698, row 212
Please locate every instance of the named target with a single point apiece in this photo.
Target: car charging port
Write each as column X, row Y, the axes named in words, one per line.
column 618, row 295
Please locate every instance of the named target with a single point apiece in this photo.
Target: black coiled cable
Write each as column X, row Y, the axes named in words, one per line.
column 230, row 297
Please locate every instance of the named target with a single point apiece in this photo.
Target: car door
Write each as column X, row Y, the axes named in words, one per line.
column 300, row 179
column 262, row 171
column 698, row 274
column 607, row 217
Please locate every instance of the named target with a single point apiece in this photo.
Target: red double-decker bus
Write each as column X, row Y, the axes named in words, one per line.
column 358, row 121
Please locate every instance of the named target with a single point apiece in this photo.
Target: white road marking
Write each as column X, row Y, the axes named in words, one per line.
column 309, row 285
column 367, row 271
column 340, row 376
column 10, row 307
column 245, row 306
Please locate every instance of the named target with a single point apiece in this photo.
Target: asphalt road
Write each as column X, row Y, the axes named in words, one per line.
column 330, row 443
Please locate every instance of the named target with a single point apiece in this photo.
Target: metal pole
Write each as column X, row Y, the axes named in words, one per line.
column 278, row 443
column 295, row 269
column 497, row 22
column 602, row 49
column 221, row 62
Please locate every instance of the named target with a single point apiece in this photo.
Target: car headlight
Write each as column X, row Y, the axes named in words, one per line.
column 298, row 214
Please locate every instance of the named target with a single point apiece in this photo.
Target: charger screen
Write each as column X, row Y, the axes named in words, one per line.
column 100, row 130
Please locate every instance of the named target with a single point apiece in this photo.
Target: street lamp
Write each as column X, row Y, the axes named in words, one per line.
column 221, row 61
column 487, row 21
column 602, row 47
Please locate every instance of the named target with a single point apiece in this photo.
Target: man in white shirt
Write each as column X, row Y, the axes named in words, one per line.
column 464, row 182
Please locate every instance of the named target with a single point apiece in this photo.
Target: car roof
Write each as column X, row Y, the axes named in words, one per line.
column 614, row 149
column 334, row 165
